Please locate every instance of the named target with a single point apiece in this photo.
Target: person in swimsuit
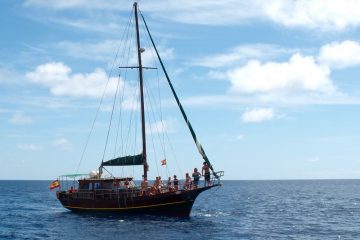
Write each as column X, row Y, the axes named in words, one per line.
column 196, row 176
column 206, row 173
column 144, row 186
column 168, row 184
column 187, row 182
column 176, row 183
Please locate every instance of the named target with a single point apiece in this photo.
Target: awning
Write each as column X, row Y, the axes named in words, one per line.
column 125, row 161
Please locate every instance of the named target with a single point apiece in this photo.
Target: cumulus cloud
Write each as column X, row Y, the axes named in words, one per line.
column 258, row 115
column 317, row 14
column 338, row 55
column 20, row 119
column 299, row 80
column 298, row 74
column 30, row 147
column 62, row 82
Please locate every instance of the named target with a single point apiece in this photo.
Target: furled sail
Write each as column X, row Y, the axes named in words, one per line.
column 198, row 145
column 125, row 161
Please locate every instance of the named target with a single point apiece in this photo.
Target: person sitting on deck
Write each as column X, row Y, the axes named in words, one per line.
column 116, row 183
column 157, row 185
column 156, row 182
column 127, row 183
column 160, row 185
column 176, row 183
column 153, row 190
column 196, row 175
column 187, row 182
column 72, row 190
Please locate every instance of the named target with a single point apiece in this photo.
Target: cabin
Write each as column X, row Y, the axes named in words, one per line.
column 91, row 184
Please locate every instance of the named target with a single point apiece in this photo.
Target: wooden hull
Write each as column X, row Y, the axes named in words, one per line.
column 167, row 204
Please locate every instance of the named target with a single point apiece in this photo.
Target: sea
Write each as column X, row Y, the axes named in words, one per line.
column 294, row 209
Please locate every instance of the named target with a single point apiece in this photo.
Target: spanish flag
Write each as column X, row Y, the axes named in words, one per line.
column 163, row 162
column 54, row 184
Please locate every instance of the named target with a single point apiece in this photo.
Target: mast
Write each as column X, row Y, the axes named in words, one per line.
column 140, row 68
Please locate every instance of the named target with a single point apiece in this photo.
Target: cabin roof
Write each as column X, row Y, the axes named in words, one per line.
column 105, row 179
column 74, row 175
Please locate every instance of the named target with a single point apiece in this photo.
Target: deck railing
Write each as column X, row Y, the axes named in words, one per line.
column 134, row 191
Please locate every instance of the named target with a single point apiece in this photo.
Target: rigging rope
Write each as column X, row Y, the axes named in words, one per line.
column 101, row 101
column 164, row 133
column 148, row 108
column 198, row 145
column 125, row 59
column 159, row 92
column 111, row 116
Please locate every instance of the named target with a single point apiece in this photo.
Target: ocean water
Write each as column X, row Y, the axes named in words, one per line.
column 307, row 209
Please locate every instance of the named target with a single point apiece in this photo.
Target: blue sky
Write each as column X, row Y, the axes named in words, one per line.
column 271, row 87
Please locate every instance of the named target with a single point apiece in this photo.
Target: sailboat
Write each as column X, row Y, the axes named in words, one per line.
column 98, row 193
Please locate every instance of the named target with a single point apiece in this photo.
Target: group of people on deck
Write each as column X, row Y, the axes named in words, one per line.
column 173, row 185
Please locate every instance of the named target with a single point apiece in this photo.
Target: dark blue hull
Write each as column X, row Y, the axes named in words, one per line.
column 177, row 203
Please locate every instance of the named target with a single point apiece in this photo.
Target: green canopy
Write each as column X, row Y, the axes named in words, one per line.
column 125, row 161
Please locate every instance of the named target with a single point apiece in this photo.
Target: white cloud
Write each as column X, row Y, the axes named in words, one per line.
column 62, row 82
column 20, row 119
column 240, row 54
column 65, row 4
column 232, row 101
column 30, row 147
column 299, row 80
column 167, row 125
column 331, row 15
column 104, row 50
column 62, row 143
column 149, row 55
column 296, row 75
column 98, row 25
column 338, row 55
column 258, row 115
column 316, row 14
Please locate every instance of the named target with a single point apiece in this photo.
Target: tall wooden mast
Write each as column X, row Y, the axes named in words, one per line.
column 139, row 50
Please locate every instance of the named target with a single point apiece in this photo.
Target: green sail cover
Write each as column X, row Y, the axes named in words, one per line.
column 125, row 161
